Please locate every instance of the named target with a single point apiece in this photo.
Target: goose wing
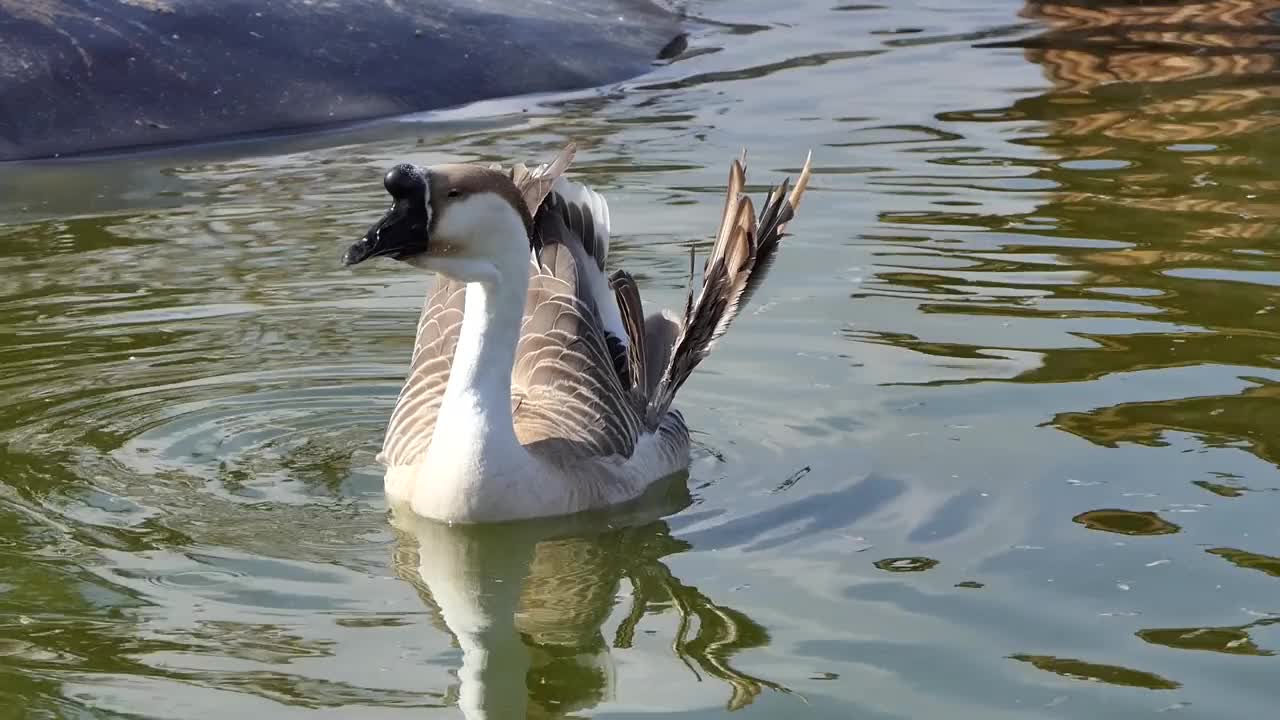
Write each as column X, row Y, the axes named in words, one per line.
column 570, row 385
column 566, row 385
column 414, row 418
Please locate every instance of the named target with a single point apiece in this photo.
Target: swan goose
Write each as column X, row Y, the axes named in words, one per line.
column 537, row 386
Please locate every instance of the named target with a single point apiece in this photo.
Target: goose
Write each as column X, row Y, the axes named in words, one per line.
column 537, row 386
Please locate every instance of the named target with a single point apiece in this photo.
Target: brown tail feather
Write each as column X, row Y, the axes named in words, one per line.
column 536, row 183
column 744, row 249
column 627, row 295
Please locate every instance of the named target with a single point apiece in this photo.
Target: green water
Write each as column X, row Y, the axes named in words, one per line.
column 997, row 440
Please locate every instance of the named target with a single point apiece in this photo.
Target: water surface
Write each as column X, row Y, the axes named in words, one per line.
column 997, row 440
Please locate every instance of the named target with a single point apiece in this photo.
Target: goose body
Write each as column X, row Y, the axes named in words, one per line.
column 537, row 385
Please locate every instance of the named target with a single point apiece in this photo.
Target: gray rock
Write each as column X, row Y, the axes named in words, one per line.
column 80, row 76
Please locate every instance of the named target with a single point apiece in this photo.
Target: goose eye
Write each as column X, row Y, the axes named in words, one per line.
column 454, row 192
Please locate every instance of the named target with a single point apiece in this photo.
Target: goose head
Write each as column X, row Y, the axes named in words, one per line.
column 463, row 221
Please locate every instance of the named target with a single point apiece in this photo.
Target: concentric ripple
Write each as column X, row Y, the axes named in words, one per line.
column 156, row 368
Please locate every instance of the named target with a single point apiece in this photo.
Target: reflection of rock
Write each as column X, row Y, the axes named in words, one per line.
column 1220, row 489
column 1111, row 674
column 526, row 603
column 906, row 564
column 1241, row 420
column 1250, row 561
column 84, row 75
column 1126, row 522
column 1229, row 640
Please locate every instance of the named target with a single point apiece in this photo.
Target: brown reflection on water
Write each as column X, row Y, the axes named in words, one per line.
column 1157, row 138
column 1092, row 44
column 1126, row 522
column 1110, row 674
column 1130, row 81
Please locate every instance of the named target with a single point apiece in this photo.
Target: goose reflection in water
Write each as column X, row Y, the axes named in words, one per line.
column 527, row 603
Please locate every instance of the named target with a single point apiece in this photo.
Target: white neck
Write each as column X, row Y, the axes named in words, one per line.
column 475, row 462
column 480, row 379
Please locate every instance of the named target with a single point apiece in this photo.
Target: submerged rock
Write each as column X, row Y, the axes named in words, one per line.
column 89, row 75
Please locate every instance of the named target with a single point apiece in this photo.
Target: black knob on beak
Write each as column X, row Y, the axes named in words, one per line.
column 405, row 181
column 402, row 232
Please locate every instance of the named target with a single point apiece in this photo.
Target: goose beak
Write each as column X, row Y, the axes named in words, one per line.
column 402, row 232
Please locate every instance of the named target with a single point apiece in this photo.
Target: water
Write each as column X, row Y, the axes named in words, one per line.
column 996, row 441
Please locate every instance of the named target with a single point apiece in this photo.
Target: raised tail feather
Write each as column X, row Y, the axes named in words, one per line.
column 627, row 295
column 535, row 184
column 743, row 252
